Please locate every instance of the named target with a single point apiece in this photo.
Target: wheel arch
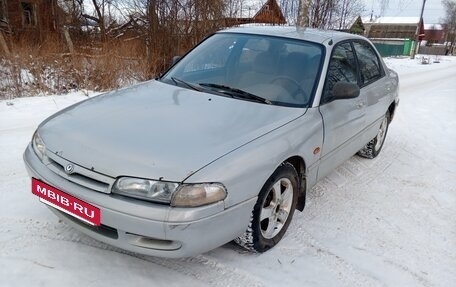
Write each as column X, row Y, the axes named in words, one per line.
column 392, row 110
column 300, row 166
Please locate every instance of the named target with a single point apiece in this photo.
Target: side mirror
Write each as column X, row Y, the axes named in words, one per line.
column 175, row 60
column 345, row 90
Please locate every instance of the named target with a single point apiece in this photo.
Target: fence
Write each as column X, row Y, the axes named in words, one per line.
column 393, row 47
column 434, row 50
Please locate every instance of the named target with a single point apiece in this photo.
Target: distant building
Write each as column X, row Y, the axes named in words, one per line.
column 434, row 33
column 30, row 19
column 256, row 11
column 393, row 27
column 393, row 36
column 357, row 27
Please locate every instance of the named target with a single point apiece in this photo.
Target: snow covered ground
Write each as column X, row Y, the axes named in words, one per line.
column 390, row 221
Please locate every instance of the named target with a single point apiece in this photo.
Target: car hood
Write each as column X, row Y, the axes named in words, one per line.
column 158, row 131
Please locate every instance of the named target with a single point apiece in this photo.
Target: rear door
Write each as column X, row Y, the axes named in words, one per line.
column 344, row 120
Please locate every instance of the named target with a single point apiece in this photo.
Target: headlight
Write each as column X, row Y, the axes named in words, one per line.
column 191, row 195
column 185, row 195
column 38, row 146
column 151, row 190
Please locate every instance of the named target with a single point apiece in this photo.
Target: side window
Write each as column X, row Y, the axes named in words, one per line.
column 28, row 14
column 2, row 12
column 369, row 64
column 342, row 68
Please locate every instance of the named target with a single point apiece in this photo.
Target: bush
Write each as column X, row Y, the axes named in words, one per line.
column 47, row 70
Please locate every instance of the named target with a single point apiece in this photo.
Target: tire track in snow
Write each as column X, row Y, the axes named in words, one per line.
column 355, row 165
column 206, row 270
column 374, row 168
column 212, row 271
column 355, row 171
column 407, row 270
column 355, row 168
column 345, row 272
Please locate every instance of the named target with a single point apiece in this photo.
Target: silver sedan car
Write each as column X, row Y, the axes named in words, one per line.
column 223, row 146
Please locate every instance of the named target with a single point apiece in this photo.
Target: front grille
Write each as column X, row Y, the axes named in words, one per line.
column 80, row 175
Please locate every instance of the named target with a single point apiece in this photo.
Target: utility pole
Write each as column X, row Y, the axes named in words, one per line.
column 417, row 33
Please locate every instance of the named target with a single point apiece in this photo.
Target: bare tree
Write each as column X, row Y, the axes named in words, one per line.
column 290, row 10
column 99, row 17
column 450, row 21
column 104, row 13
column 329, row 14
column 321, row 13
column 346, row 12
column 73, row 11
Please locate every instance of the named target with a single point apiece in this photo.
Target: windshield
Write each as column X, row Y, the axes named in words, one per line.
column 271, row 70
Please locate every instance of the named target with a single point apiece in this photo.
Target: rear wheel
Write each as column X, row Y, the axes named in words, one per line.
column 273, row 210
column 373, row 148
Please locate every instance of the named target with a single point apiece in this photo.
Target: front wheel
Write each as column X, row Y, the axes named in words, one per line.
column 273, row 210
column 373, row 148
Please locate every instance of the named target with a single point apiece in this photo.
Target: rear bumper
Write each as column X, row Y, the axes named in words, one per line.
column 148, row 228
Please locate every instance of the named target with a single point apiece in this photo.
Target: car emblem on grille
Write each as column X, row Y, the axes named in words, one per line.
column 69, row 168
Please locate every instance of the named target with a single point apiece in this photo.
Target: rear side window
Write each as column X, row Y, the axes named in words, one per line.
column 342, row 68
column 369, row 63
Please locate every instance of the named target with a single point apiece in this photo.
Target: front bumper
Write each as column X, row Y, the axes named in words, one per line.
column 149, row 228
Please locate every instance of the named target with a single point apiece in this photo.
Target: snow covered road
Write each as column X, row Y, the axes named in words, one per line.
column 390, row 221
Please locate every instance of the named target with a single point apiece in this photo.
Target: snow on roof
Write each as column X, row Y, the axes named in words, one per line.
column 392, row 20
column 433, row 27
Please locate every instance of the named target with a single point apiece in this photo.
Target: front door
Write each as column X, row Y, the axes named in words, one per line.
column 344, row 120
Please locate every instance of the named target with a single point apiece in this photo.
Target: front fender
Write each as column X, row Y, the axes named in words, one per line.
column 245, row 170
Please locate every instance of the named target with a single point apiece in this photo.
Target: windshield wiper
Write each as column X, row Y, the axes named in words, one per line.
column 236, row 93
column 189, row 85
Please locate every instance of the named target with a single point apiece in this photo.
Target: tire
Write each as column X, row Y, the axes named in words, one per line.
column 276, row 205
column 373, row 148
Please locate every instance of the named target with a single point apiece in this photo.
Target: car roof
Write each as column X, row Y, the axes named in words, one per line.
column 293, row 32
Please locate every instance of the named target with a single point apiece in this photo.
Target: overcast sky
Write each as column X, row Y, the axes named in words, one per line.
column 433, row 11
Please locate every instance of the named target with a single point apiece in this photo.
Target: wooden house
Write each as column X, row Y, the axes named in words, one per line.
column 257, row 11
column 357, row 27
column 394, row 36
column 434, row 33
column 393, row 27
column 29, row 19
